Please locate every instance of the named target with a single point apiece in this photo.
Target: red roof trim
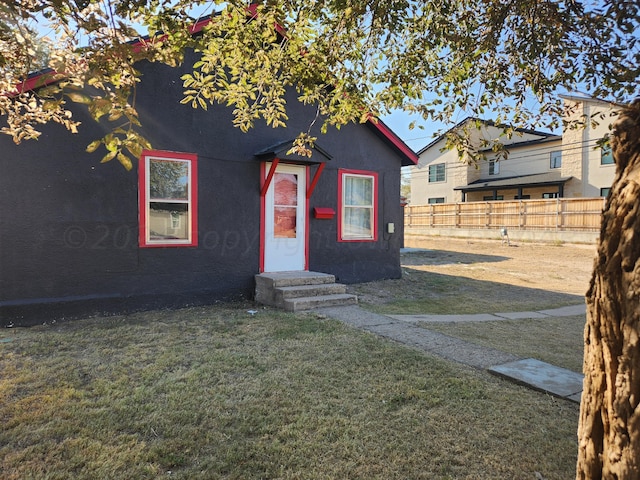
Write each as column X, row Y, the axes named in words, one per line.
column 394, row 139
column 142, row 43
column 252, row 10
column 37, row 80
column 199, row 25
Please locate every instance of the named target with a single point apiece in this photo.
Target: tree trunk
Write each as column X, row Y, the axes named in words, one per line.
column 609, row 431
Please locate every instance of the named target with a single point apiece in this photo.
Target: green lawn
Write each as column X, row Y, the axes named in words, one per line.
column 558, row 340
column 214, row 392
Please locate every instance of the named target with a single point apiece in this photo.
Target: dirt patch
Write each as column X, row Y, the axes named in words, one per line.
column 560, row 268
column 496, row 271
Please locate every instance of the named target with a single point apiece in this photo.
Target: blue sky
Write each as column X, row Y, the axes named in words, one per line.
column 418, row 137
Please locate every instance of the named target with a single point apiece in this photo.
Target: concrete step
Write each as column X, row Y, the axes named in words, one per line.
column 293, row 291
column 289, row 279
column 283, row 293
column 307, row 303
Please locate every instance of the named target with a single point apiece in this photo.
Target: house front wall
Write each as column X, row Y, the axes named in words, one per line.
column 69, row 226
column 524, row 160
column 582, row 156
column 580, row 163
column 459, row 172
column 598, row 176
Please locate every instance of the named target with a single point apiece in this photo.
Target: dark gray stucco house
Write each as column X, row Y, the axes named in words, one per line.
column 199, row 216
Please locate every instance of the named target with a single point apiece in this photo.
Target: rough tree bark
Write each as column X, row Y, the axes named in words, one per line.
column 609, row 431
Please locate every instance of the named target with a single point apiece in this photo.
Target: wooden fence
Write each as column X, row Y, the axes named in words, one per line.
column 577, row 214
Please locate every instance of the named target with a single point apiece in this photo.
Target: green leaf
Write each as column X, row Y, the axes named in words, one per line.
column 125, row 161
column 135, row 149
column 93, row 146
column 108, row 157
column 100, row 107
column 115, row 115
column 79, row 97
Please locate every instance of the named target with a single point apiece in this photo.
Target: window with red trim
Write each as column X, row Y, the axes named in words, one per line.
column 358, row 200
column 168, row 199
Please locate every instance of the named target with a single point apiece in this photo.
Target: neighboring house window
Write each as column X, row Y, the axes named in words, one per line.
column 522, row 197
column 168, row 199
column 491, row 197
column 436, row 200
column 606, row 156
column 175, row 220
column 436, row 173
column 358, row 197
column 604, row 192
column 494, row 167
column 556, row 159
column 551, row 195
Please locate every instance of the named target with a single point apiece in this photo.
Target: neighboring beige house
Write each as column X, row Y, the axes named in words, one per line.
column 538, row 164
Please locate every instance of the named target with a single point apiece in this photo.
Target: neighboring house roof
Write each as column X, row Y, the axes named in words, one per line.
column 488, row 123
column 529, row 143
column 539, row 179
column 583, row 97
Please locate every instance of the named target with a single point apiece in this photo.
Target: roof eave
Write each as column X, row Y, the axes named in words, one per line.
column 487, row 186
column 409, row 157
column 489, row 123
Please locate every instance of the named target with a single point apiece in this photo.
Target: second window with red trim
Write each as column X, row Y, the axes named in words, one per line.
column 358, row 200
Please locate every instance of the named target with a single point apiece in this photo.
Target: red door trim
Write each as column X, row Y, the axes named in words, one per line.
column 266, row 182
column 316, row 177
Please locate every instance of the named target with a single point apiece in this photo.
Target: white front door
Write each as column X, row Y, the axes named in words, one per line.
column 285, row 228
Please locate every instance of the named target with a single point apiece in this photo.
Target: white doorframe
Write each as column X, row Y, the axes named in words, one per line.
column 285, row 229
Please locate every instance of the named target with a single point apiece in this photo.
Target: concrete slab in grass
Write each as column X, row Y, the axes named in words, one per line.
column 521, row 315
column 471, row 317
column 566, row 311
column 542, row 376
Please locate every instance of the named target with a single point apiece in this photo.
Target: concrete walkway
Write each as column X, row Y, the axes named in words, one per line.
column 492, row 317
column 530, row 372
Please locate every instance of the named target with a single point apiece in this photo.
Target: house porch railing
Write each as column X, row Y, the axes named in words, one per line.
column 559, row 214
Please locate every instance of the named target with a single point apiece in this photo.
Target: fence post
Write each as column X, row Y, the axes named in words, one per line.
column 488, row 214
column 559, row 217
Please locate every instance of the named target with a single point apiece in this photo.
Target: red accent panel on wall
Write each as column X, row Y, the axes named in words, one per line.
column 323, row 212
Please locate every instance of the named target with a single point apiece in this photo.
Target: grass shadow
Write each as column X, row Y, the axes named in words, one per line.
column 445, row 257
column 420, row 292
